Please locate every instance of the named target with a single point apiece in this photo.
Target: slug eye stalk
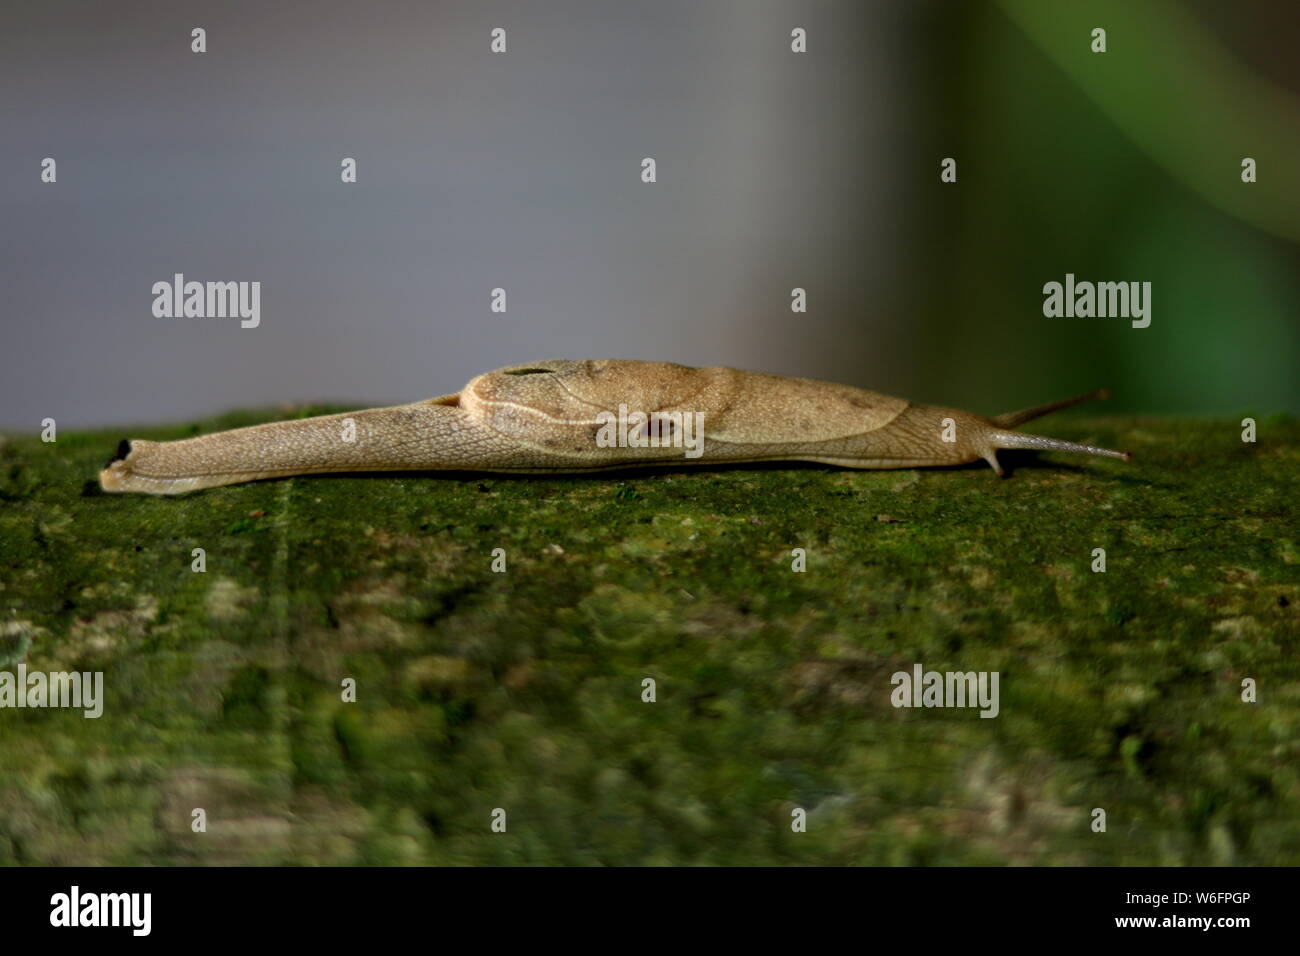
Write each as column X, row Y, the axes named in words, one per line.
column 1015, row 440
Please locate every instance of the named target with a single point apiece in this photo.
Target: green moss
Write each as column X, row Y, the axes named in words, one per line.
column 523, row 690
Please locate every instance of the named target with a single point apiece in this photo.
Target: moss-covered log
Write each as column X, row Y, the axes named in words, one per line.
column 522, row 689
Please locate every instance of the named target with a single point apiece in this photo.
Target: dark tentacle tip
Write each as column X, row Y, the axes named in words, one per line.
column 123, row 449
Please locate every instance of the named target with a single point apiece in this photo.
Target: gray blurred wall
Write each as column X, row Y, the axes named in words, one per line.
column 476, row 170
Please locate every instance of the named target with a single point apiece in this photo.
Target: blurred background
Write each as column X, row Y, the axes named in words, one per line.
column 521, row 170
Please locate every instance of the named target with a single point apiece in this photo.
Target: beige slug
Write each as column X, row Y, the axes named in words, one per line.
column 561, row 417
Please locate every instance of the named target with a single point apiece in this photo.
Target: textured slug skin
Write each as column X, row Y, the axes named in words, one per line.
column 542, row 418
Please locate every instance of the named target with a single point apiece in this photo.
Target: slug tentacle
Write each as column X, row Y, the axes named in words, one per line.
column 1010, row 440
column 1018, row 440
column 1012, row 419
column 556, row 417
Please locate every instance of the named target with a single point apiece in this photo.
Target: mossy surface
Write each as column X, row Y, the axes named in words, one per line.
column 523, row 690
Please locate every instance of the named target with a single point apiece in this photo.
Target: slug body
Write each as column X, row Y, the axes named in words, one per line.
column 565, row 417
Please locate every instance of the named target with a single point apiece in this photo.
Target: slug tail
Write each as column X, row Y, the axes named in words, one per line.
column 1012, row 419
column 429, row 435
column 129, row 471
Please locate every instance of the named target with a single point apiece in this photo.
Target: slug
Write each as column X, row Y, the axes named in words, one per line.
column 565, row 416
